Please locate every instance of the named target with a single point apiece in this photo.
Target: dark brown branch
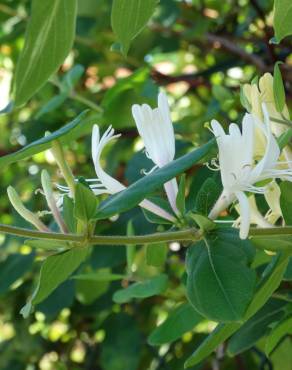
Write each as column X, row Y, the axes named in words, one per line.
column 237, row 50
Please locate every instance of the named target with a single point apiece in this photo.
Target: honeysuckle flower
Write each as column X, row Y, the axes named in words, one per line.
column 239, row 172
column 106, row 184
column 156, row 130
column 260, row 94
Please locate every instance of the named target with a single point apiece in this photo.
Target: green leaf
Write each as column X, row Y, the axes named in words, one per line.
column 278, row 88
column 183, row 319
column 122, row 347
column 203, row 222
column 267, row 285
column 282, row 19
column 66, row 134
column 180, row 198
column 256, row 327
column 142, row 188
column 68, row 212
column 49, row 38
column 282, row 328
column 144, row 289
column 72, row 77
column 286, row 201
column 156, row 254
column 213, row 340
column 284, row 138
column 85, row 203
column 288, row 272
column 207, row 196
column 51, row 105
column 55, row 269
column 270, row 281
column 275, row 243
column 101, row 275
column 216, row 268
column 243, row 99
column 129, row 17
column 13, row 268
column 88, row 290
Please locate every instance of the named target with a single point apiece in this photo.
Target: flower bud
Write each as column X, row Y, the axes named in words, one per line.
column 23, row 211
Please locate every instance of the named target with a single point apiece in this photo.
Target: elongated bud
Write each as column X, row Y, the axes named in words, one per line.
column 23, row 211
column 48, row 191
column 58, row 154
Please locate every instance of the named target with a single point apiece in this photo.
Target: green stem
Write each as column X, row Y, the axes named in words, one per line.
column 191, row 234
column 86, row 102
column 282, row 121
column 58, row 153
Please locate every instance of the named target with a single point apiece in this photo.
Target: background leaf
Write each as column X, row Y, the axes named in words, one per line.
column 129, row 17
column 282, row 19
column 286, row 201
column 181, row 320
column 278, row 88
column 79, row 126
column 49, row 38
column 144, row 289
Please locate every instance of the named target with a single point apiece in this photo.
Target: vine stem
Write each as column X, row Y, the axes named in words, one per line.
column 190, row 234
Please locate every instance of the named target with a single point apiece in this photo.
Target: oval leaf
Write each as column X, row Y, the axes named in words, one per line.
column 282, row 19
column 48, row 40
column 144, row 289
column 183, row 319
column 217, row 273
column 55, row 269
column 129, row 17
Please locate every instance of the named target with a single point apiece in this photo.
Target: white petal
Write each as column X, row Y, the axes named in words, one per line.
column 217, row 129
column 171, row 190
column 156, row 130
column 94, row 142
column 244, row 214
column 272, row 152
column 111, row 184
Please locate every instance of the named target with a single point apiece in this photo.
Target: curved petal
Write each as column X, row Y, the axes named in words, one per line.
column 244, row 214
column 272, row 151
column 112, row 185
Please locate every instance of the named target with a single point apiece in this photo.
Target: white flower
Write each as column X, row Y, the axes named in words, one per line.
column 106, row 184
column 239, row 172
column 156, row 130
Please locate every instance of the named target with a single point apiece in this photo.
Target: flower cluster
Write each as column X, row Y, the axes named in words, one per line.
column 240, row 173
column 250, row 161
